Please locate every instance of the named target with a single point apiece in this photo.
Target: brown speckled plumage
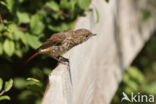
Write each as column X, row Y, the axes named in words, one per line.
column 60, row 43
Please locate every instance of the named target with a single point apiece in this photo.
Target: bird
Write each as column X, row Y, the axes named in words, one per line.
column 59, row 43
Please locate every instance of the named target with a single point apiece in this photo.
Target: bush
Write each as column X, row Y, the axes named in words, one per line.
column 140, row 77
column 25, row 24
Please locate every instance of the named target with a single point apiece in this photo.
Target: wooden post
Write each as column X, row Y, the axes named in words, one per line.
column 98, row 64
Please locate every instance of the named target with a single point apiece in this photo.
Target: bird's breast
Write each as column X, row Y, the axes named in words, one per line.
column 55, row 51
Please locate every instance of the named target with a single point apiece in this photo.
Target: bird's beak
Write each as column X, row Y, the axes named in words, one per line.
column 93, row 34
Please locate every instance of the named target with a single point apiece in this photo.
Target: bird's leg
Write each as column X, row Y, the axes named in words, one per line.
column 63, row 60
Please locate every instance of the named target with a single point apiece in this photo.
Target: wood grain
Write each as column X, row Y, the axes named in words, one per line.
column 97, row 65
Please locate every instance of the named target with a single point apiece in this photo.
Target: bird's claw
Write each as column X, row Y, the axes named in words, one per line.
column 63, row 60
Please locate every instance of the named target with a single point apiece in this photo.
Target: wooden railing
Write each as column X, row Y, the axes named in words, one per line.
column 97, row 65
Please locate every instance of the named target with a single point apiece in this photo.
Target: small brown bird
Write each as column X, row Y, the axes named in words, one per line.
column 60, row 43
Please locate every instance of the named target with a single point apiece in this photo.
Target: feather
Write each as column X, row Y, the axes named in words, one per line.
column 55, row 40
column 32, row 57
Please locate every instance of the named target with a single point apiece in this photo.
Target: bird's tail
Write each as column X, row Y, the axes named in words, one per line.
column 31, row 57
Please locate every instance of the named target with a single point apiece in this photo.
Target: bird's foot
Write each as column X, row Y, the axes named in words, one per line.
column 63, row 60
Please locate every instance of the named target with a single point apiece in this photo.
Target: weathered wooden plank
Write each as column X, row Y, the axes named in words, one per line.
column 98, row 64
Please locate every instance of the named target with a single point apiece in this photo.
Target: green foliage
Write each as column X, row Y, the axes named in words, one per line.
column 5, row 97
column 145, row 14
column 107, row 1
column 9, row 47
column 10, row 5
column 20, row 83
column 25, row 25
column 1, row 84
column 97, row 15
column 7, row 86
column 53, row 5
column 23, row 17
column 32, row 86
column 84, row 5
column 33, row 79
column 33, row 41
column 36, row 24
column 3, row 3
column 150, row 88
column 141, row 76
column 133, row 79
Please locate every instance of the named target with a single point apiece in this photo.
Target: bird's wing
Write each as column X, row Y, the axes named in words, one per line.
column 55, row 40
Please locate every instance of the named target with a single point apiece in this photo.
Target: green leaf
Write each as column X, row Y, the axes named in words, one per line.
column 23, row 17
column 33, row 79
column 53, row 5
column 1, row 84
column 10, row 5
column 1, row 27
column 5, row 97
column 38, row 101
column 37, row 73
column 23, row 39
column 97, row 15
column 36, row 24
column 107, row 1
column 145, row 15
column 12, row 28
column 136, row 74
column 33, row 41
column 35, row 85
column 128, row 90
column 150, row 88
column 68, row 5
column 3, row 3
column 63, row 26
column 18, row 53
column 84, row 4
column 20, row 83
column 133, row 85
column 64, row 4
column 8, row 85
column 9, row 47
column 72, row 4
column 46, row 71
column 18, row 34
column 1, row 49
column 21, row 1
column 126, row 78
column 25, row 94
column 35, row 88
column 56, row 15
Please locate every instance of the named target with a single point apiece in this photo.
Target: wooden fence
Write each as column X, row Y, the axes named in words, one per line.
column 97, row 65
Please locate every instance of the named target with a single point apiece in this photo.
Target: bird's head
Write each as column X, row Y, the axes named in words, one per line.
column 83, row 35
